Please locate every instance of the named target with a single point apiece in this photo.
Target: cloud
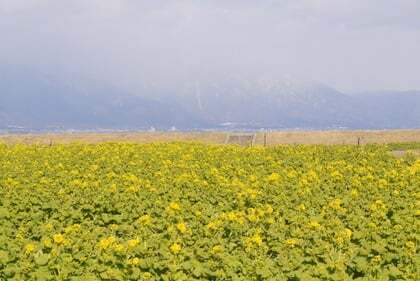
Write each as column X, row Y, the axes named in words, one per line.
column 13, row 6
column 350, row 44
column 366, row 13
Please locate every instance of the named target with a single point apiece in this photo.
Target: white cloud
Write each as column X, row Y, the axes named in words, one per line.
column 13, row 6
column 341, row 42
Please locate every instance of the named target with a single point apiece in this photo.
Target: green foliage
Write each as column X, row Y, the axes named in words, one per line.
column 404, row 146
column 201, row 212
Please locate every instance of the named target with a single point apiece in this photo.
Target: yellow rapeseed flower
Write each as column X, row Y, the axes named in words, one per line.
column 106, row 242
column 376, row 259
column 48, row 226
column 119, row 248
column 354, row 193
column 411, row 247
column 175, row 248
column 147, row 275
column 133, row 188
column 343, row 236
column 133, row 243
column 214, row 225
column 113, row 188
column 254, row 240
column 314, row 225
column 274, row 177
column 217, row 249
column 335, row 204
column 133, row 261
column 292, row 242
column 145, row 220
column 182, row 227
column 382, row 183
column 58, row 239
column 336, row 175
column 269, row 209
column 271, row 221
column 29, row 248
column 174, row 206
column 347, row 233
column 47, row 243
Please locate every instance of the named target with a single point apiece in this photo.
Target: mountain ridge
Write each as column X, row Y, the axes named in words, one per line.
column 33, row 100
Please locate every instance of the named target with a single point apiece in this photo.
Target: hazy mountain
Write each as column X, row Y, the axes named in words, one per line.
column 270, row 102
column 386, row 109
column 32, row 100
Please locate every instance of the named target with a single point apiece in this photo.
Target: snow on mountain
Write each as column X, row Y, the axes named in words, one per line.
column 268, row 102
column 29, row 99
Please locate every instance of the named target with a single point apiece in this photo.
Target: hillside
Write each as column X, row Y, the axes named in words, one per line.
column 271, row 103
column 31, row 100
column 386, row 109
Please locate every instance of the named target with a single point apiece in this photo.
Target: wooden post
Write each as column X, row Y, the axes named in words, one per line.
column 265, row 139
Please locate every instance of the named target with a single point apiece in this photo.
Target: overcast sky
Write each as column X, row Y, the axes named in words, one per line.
column 353, row 45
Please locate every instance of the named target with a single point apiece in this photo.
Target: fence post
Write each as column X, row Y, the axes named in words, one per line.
column 265, row 139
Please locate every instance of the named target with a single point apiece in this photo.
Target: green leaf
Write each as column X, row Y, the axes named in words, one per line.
column 42, row 259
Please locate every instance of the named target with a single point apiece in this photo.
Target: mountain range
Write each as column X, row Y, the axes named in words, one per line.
column 30, row 100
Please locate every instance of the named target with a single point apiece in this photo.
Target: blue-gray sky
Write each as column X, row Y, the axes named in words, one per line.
column 353, row 45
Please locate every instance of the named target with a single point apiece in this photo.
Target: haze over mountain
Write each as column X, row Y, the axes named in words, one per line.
column 205, row 64
column 35, row 101
column 29, row 100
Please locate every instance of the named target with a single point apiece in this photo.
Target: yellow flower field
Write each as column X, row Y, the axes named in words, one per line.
column 185, row 211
